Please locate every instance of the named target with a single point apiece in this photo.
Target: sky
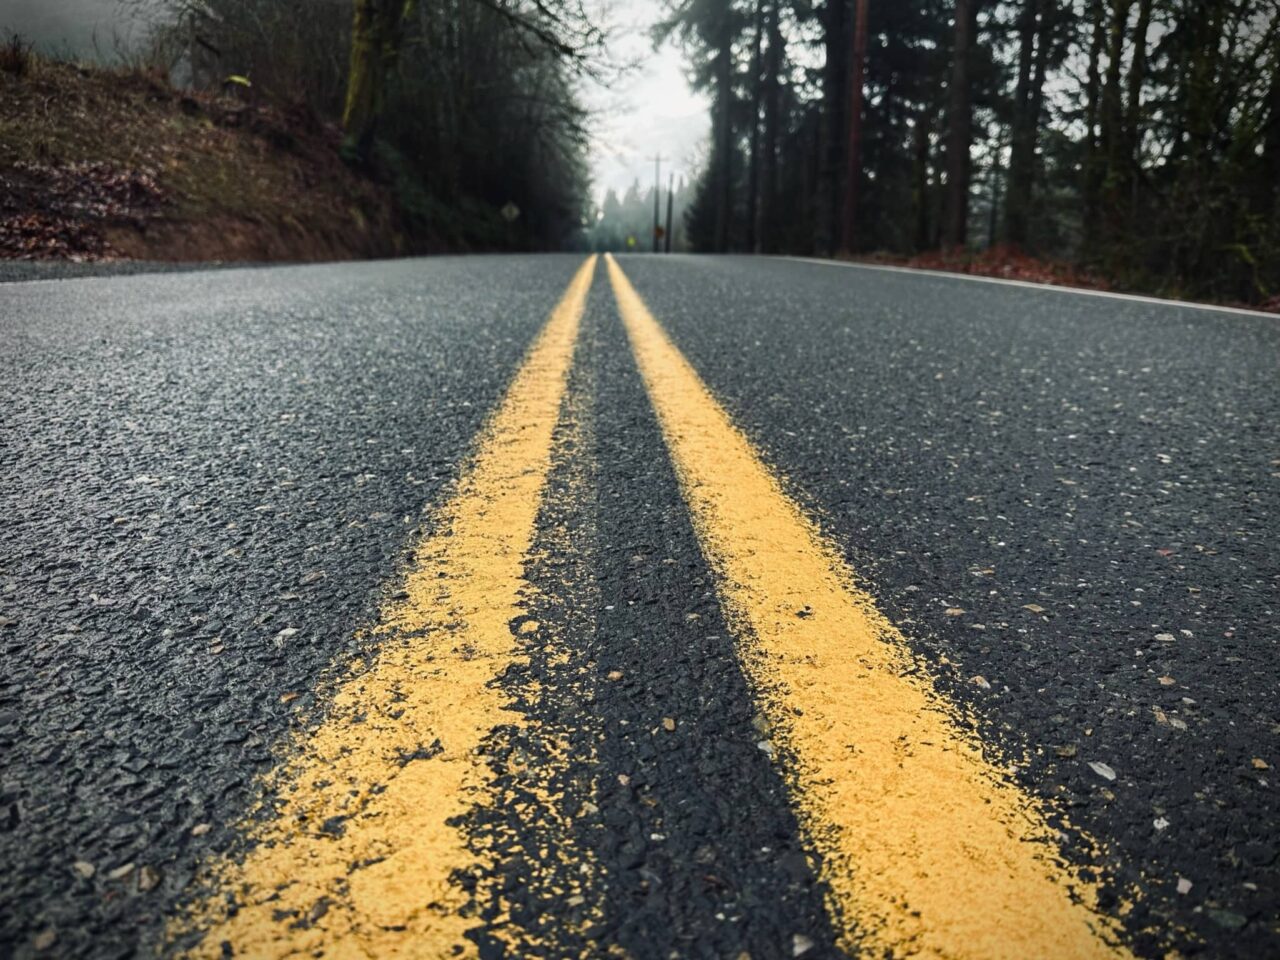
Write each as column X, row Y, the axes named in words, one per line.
column 651, row 108
column 81, row 28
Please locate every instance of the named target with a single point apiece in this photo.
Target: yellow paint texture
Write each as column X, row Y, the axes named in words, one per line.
column 928, row 849
column 358, row 857
column 550, row 781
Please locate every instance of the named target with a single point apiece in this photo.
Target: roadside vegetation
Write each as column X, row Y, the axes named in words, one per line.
column 1133, row 143
column 289, row 129
column 100, row 163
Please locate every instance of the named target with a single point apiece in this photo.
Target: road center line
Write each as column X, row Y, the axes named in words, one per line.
column 357, row 855
column 929, row 850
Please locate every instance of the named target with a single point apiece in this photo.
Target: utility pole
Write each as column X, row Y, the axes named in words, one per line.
column 853, row 157
column 671, row 196
column 657, row 192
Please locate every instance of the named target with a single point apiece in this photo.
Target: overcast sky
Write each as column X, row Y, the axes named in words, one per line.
column 649, row 110
column 77, row 27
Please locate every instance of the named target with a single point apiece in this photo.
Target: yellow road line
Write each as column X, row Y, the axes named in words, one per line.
column 545, row 885
column 358, row 855
column 927, row 848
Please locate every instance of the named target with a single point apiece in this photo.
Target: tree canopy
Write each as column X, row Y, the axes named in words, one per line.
column 1140, row 138
column 465, row 106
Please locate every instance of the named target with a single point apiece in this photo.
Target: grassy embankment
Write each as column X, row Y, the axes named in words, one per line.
column 99, row 163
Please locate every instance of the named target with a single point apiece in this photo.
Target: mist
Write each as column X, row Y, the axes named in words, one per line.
column 99, row 30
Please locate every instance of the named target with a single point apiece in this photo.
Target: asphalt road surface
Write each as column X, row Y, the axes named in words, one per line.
column 662, row 607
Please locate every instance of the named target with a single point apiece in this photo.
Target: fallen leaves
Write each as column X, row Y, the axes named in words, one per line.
column 57, row 211
column 1009, row 264
column 1103, row 770
column 1165, row 720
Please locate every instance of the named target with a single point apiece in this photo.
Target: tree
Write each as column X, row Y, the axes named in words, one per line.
column 460, row 105
column 835, row 84
column 755, row 96
column 377, row 32
column 853, row 121
column 771, row 94
column 960, row 127
column 1141, row 135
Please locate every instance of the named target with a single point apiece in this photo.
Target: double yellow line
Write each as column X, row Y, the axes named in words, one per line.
column 926, row 846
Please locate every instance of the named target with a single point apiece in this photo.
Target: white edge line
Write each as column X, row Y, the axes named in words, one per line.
column 1131, row 297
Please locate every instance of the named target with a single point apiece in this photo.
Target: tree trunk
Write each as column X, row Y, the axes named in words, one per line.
column 835, row 88
column 993, row 220
column 1022, row 136
column 723, row 146
column 753, row 169
column 1133, row 108
column 1113, row 139
column 959, row 129
column 1270, row 180
column 1022, row 165
column 1137, row 76
column 853, row 154
column 377, row 30
column 920, row 188
column 772, row 120
column 1091, row 186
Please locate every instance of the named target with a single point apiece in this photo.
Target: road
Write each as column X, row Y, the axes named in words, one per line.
column 656, row 607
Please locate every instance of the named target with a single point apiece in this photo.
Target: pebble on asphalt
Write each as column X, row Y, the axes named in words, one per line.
column 148, row 878
column 1102, row 770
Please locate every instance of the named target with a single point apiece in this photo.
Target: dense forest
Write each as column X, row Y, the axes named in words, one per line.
column 1138, row 138
column 626, row 223
column 464, row 106
column 1136, row 141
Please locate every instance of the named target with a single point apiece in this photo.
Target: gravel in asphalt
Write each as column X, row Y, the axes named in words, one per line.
column 1071, row 497
column 210, row 481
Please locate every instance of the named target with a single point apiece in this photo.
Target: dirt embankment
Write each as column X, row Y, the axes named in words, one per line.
column 100, row 164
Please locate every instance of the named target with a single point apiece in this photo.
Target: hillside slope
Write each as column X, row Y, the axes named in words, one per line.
column 110, row 164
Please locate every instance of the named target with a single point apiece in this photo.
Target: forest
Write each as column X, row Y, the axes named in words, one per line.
column 1133, row 144
column 463, row 106
column 1136, row 139
column 625, row 223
